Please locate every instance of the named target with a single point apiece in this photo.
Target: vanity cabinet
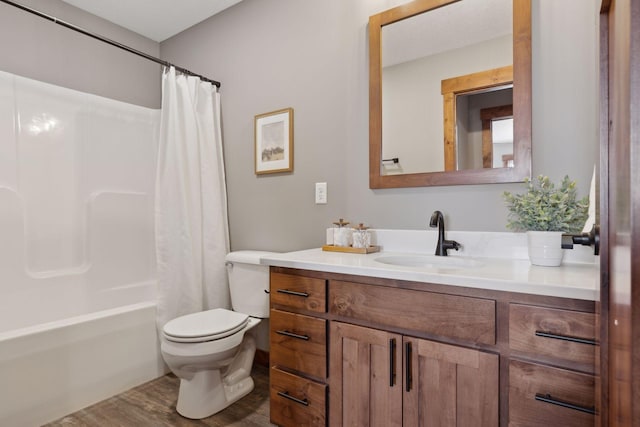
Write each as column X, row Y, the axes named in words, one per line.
column 298, row 350
column 551, row 379
column 353, row 350
column 400, row 379
column 386, row 379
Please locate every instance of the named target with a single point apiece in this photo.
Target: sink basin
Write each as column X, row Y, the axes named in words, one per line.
column 428, row 261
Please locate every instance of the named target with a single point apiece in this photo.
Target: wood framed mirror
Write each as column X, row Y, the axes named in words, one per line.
column 386, row 168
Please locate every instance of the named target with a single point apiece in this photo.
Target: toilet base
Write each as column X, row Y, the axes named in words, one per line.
column 209, row 391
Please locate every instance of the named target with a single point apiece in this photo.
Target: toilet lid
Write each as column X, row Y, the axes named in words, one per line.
column 205, row 325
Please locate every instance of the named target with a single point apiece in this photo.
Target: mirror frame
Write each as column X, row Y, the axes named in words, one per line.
column 521, row 104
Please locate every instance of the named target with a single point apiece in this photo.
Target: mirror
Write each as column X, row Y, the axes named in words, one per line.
column 453, row 126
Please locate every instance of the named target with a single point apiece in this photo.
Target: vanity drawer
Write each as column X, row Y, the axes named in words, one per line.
column 545, row 396
column 467, row 318
column 299, row 292
column 298, row 342
column 296, row 401
column 561, row 334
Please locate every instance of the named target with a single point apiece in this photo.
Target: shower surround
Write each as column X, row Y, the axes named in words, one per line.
column 77, row 257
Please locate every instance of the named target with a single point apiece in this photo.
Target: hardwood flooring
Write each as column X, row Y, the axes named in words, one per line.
column 153, row 404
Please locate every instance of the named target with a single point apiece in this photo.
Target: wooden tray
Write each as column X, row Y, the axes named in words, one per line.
column 351, row 250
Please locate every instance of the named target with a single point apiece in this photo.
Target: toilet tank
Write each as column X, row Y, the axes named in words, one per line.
column 248, row 282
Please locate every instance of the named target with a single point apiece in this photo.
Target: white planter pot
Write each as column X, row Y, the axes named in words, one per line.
column 545, row 248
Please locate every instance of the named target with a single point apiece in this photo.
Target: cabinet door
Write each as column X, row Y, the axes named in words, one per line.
column 446, row 385
column 365, row 387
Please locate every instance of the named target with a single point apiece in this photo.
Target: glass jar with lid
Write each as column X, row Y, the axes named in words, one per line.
column 341, row 233
column 361, row 236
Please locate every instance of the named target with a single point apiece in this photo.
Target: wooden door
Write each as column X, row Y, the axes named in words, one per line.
column 446, row 385
column 620, row 217
column 365, row 387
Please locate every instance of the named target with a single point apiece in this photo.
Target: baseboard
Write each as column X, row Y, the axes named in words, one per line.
column 261, row 358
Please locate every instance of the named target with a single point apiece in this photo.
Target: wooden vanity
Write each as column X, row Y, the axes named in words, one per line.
column 351, row 350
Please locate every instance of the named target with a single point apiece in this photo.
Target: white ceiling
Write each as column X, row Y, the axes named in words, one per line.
column 155, row 19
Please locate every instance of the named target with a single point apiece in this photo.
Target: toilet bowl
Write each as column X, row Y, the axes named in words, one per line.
column 212, row 351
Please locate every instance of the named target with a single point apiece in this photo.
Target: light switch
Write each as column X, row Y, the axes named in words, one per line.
column 321, row 193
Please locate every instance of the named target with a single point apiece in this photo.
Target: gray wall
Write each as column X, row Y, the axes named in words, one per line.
column 312, row 56
column 42, row 50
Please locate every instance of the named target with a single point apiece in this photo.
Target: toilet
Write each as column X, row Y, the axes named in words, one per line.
column 212, row 351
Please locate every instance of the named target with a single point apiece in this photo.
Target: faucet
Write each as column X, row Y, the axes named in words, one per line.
column 437, row 220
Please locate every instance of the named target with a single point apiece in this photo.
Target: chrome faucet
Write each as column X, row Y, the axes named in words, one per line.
column 437, row 220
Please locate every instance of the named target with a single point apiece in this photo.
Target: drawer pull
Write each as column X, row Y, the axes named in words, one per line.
column 548, row 399
column 286, row 395
column 565, row 338
column 407, row 362
column 294, row 293
column 292, row 335
column 392, row 361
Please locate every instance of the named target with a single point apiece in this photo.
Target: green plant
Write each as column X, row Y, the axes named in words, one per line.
column 546, row 208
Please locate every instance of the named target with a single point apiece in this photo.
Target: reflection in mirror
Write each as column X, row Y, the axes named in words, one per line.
column 407, row 112
column 414, row 63
column 484, row 130
column 497, row 136
column 463, row 97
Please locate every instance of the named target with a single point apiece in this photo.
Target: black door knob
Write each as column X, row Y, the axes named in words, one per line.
column 592, row 238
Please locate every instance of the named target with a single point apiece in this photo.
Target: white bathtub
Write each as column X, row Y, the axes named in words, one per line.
column 77, row 251
column 51, row 369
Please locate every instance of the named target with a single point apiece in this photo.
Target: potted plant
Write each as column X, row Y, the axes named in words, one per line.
column 545, row 212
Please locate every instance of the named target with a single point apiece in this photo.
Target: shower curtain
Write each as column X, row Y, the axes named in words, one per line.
column 192, row 235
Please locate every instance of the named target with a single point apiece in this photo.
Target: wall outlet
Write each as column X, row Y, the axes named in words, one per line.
column 321, row 193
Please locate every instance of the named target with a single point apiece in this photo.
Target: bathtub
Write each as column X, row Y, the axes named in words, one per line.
column 77, row 250
column 56, row 367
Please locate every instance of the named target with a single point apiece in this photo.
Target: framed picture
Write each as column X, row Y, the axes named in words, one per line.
column 274, row 142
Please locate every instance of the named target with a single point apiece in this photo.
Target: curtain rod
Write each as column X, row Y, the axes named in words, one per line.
column 108, row 41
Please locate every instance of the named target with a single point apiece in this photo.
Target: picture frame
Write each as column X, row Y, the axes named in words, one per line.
column 273, row 133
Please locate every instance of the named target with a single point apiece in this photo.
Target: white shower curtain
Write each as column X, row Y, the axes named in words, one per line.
column 192, row 234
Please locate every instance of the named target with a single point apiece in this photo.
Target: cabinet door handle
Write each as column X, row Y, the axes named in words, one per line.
column 294, row 293
column 548, row 399
column 292, row 335
column 407, row 364
column 286, row 395
column 392, row 361
column 565, row 338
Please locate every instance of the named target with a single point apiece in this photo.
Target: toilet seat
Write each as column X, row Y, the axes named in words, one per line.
column 204, row 326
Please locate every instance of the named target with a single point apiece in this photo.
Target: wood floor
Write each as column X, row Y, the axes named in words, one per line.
column 154, row 405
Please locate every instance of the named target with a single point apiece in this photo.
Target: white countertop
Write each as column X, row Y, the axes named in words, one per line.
column 570, row 280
